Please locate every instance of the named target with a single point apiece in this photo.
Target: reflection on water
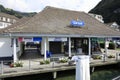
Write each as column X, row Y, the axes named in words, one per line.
column 47, row 76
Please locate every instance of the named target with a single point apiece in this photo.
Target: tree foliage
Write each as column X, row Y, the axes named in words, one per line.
column 109, row 9
column 16, row 13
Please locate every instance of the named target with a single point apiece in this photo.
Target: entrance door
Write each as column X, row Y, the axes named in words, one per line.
column 55, row 47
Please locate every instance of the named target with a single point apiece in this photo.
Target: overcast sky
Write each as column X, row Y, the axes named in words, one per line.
column 38, row 5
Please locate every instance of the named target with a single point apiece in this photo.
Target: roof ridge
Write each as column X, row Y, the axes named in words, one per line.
column 60, row 8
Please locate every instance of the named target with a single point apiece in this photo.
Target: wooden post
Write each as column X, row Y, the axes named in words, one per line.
column 2, row 68
column 54, row 75
column 29, row 65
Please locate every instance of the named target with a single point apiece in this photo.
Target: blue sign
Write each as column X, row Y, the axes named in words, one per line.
column 37, row 39
column 77, row 23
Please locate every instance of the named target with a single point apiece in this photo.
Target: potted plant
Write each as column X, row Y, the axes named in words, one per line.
column 45, row 62
column 63, row 60
column 97, row 57
column 111, row 56
column 16, row 64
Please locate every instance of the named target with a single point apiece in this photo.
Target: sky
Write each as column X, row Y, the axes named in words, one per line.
column 38, row 5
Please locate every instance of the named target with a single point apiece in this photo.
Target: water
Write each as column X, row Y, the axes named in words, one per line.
column 100, row 73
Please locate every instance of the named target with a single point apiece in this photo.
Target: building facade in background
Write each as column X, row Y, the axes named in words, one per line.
column 6, row 20
column 97, row 16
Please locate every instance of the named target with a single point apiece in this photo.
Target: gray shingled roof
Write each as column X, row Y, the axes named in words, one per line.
column 7, row 16
column 55, row 21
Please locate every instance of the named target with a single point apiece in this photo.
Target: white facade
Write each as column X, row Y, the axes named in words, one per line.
column 115, row 26
column 98, row 17
column 6, row 20
column 4, row 24
column 6, row 48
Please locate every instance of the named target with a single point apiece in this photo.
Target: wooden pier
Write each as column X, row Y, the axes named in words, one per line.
column 22, row 71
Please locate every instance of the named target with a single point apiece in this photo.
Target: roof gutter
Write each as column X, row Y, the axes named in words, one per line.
column 58, row 35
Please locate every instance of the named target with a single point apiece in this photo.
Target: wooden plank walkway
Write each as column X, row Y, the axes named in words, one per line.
column 53, row 67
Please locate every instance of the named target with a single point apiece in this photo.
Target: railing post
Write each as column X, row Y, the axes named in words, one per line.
column 2, row 71
column 117, row 56
column 53, row 63
column 104, row 57
column 29, row 65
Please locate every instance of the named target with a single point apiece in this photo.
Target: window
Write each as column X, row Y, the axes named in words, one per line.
column 9, row 24
column 1, row 24
column 5, row 25
column 8, row 19
column 4, row 19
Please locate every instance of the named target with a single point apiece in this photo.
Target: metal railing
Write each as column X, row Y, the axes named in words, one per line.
column 117, row 78
column 29, row 65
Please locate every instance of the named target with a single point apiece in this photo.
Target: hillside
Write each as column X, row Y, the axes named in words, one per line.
column 109, row 9
column 16, row 13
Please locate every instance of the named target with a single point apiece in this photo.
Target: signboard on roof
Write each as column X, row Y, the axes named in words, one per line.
column 76, row 23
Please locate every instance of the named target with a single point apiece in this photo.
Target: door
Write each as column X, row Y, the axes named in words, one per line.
column 55, row 47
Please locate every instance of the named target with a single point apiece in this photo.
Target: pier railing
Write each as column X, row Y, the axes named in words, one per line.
column 8, row 67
